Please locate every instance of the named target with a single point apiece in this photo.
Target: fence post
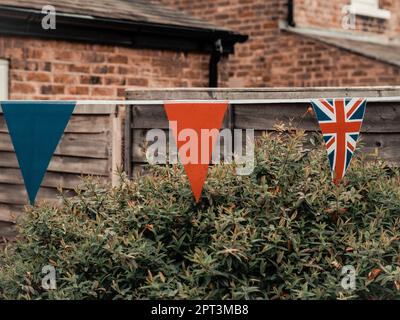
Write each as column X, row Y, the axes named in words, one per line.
column 128, row 141
column 116, row 143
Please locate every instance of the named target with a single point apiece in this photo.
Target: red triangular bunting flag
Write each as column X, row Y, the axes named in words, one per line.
column 194, row 125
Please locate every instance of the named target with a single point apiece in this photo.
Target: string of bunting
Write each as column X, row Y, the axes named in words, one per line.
column 36, row 127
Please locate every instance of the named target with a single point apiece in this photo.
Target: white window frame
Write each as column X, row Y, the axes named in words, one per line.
column 4, row 65
column 369, row 8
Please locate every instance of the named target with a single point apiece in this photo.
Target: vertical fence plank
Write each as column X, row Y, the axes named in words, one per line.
column 128, row 140
column 116, row 144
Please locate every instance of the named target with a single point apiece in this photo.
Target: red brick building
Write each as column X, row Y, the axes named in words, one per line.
column 307, row 42
column 99, row 48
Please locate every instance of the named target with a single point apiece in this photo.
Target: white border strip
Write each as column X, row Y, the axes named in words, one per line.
column 161, row 102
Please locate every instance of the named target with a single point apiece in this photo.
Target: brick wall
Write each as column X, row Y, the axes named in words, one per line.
column 272, row 57
column 307, row 63
column 328, row 14
column 44, row 69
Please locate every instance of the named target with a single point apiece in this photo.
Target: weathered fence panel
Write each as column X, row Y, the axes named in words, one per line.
column 381, row 128
column 91, row 145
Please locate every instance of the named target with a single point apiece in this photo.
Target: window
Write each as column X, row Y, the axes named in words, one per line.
column 372, row 3
column 369, row 8
column 3, row 80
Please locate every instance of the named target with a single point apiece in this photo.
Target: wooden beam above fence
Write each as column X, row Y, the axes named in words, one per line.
column 260, row 93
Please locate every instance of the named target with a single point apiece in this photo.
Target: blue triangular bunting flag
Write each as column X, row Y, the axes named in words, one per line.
column 35, row 129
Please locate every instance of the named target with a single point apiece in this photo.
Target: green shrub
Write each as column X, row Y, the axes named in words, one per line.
column 284, row 232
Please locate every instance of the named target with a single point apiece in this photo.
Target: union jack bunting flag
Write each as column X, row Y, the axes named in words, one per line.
column 340, row 121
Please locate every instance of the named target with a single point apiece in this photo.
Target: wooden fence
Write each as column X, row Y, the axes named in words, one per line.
column 91, row 145
column 381, row 128
column 95, row 139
